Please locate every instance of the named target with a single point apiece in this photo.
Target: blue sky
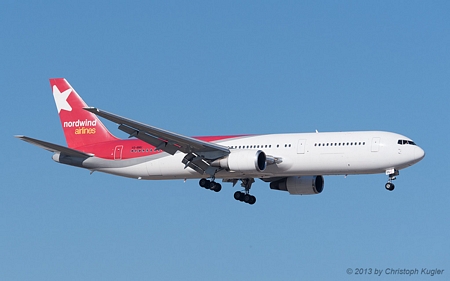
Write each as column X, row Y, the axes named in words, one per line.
column 206, row 68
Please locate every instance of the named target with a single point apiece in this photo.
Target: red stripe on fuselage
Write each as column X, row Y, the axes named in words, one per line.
column 133, row 148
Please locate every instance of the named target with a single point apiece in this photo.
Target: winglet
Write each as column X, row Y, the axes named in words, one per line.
column 91, row 109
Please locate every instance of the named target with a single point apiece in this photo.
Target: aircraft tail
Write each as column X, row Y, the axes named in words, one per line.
column 80, row 127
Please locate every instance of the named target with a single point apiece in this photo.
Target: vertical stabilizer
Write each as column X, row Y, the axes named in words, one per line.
column 80, row 126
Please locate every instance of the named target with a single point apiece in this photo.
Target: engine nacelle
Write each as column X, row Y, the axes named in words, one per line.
column 243, row 161
column 305, row 185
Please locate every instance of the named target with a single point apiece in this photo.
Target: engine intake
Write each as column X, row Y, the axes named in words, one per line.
column 243, row 161
column 304, row 185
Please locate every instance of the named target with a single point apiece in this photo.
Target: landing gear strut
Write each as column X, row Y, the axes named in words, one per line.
column 245, row 196
column 212, row 185
column 392, row 173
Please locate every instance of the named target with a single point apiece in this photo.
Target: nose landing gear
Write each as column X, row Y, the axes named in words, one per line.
column 389, row 186
column 392, row 173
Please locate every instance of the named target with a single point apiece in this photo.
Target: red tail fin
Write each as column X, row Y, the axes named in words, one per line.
column 80, row 126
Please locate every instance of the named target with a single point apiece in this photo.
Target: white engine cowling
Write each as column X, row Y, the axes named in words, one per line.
column 305, row 185
column 243, row 161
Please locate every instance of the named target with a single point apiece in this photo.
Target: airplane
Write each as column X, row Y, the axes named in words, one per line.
column 294, row 162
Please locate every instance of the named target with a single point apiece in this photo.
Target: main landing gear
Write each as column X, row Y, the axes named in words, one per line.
column 392, row 173
column 212, row 185
column 245, row 196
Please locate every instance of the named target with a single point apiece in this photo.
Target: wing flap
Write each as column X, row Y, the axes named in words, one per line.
column 54, row 147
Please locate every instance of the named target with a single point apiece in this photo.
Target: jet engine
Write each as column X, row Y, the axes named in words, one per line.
column 304, row 185
column 243, row 161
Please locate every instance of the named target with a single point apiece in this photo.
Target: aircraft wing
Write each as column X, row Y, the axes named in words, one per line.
column 54, row 147
column 199, row 153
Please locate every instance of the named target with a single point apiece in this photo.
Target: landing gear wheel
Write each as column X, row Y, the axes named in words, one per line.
column 238, row 195
column 215, row 186
column 249, row 199
column 389, row 186
column 203, row 183
column 245, row 197
column 207, row 184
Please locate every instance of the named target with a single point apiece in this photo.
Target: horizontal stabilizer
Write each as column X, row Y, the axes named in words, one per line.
column 54, row 147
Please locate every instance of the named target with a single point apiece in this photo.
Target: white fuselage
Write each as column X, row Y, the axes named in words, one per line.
column 334, row 153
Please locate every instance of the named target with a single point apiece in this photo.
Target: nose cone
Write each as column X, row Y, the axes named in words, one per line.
column 419, row 154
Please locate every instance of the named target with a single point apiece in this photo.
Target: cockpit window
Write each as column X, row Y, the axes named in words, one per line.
column 403, row 142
